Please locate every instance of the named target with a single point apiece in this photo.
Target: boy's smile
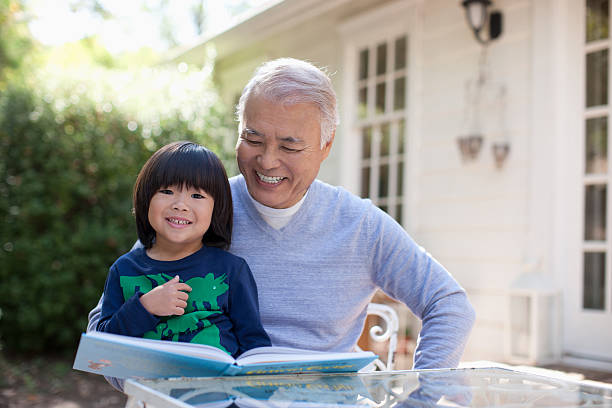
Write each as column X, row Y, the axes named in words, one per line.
column 180, row 218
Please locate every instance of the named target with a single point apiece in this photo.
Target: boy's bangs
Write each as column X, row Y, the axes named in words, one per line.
column 185, row 169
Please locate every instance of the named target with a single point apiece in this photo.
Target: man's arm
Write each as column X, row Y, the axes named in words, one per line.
column 94, row 316
column 410, row 274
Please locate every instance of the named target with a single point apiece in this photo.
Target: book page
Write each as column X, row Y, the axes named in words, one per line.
column 280, row 354
column 186, row 349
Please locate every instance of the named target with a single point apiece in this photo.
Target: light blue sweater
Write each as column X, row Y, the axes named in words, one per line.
column 316, row 275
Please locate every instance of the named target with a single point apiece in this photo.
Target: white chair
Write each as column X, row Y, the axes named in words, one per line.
column 389, row 333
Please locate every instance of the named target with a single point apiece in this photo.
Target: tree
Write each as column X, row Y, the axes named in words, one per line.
column 15, row 40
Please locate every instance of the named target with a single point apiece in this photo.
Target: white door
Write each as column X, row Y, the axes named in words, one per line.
column 588, row 308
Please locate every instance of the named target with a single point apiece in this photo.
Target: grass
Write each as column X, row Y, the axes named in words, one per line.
column 50, row 381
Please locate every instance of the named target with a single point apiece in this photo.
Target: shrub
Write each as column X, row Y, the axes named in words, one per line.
column 71, row 146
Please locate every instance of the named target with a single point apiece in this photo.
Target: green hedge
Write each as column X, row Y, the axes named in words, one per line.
column 71, row 146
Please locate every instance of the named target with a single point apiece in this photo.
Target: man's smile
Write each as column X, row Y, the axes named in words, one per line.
column 269, row 179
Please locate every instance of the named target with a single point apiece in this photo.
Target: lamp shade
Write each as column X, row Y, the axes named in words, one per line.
column 476, row 11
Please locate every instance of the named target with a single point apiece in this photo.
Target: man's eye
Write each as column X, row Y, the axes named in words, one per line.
column 290, row 149
column 253, row 142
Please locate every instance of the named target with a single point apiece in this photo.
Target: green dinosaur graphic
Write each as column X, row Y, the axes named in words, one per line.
column 129, row 284
column 209, row 335
column 203, row 290
column 176, row 325
column 206, row 289
column 161, row 278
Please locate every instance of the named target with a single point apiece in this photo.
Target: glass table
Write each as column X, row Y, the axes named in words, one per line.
column 465, row 387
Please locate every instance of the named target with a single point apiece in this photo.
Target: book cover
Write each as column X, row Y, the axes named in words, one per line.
column 119, row 356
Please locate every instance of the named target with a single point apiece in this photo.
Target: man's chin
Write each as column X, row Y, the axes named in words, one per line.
column 267, row 201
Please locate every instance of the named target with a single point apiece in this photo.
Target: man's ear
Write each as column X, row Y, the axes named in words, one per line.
column 326, row 149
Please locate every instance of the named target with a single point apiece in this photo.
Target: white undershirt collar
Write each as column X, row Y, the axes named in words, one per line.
column 277, row 218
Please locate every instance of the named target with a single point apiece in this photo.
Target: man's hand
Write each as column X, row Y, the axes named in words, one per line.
column 167, row 299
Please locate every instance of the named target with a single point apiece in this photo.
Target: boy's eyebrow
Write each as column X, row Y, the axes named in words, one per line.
column 287, row 139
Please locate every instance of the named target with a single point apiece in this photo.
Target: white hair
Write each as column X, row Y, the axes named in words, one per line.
column 290, row 81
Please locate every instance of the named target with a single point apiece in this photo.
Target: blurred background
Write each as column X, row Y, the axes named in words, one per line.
column 480, row 126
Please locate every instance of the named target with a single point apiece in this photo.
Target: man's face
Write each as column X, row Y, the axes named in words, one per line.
column 279, row 150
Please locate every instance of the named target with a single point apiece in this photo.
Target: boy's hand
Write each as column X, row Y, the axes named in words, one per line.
column 167, row 299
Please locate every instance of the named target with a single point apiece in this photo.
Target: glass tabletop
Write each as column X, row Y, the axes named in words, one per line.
column 466, row 387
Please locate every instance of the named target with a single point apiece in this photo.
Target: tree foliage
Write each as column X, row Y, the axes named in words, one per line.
column 71, row 145
column 15, row 41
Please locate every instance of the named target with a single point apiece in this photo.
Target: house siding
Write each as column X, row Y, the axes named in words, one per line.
column 472, row 216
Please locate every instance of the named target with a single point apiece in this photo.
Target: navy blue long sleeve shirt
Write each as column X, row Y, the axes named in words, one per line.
column 222, row 309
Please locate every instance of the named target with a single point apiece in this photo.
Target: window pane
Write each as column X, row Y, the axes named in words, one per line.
column 597, row 78
column 596, row 145
column 364, row 57
column 594, row 280
column 366, row 142
column 381, row 59
column 595, row 213
column 400, row 135
column 597, row 20
column 400, row 53
column 399, row 93
column 398, row 213
column 362, row 108
column 365, row 182
column 400, row 178
column 380, row 98
column 385, row 139
column 383, row 181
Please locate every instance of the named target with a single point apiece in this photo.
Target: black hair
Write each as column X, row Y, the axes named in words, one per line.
column 188, row 165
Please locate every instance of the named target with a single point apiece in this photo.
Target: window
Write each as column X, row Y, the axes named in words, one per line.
column 382, row 87
column 596, row 172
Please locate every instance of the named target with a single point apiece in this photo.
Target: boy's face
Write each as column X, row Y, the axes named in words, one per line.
column 180, row 217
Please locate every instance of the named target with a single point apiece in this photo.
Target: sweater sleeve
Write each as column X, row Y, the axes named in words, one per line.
column 243, row 310
column 128, row 318
column 407, row 272
column 94, row 316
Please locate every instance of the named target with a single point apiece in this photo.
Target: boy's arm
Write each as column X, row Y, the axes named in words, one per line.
column 123, row 316
column 243, row 307
column 94, row 316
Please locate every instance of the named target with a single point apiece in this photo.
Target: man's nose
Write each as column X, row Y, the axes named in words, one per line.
column 268, row 158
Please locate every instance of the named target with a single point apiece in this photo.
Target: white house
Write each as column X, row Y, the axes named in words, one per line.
column 527, row 235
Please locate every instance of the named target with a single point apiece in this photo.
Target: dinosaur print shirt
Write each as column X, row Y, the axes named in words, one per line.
column 222, row 309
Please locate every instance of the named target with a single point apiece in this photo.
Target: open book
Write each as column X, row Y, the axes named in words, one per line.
column 119, row 356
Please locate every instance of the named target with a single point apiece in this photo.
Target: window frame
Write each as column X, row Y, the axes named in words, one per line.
column 385, row 24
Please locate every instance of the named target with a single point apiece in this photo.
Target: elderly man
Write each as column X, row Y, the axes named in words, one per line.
column 319, row 253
